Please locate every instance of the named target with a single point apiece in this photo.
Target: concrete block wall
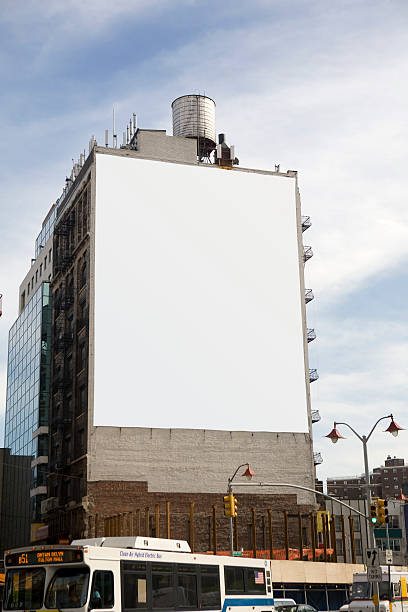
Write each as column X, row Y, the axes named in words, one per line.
column 199, row 460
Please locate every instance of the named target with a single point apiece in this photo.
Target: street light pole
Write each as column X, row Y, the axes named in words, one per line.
column 248, row 474
column 335, row 436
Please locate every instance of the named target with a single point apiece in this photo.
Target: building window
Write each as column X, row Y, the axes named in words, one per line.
column 32, row 282
column 49, row 255
column 45, row 262
column 28, row 289
column 41, row 267
column 22, row 300
column 357, row 543
column 36, row 276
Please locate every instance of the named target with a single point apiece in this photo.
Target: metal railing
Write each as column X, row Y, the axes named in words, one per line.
column 308, row 295
column 307, row 253
column 315, row 416
column 306, row 223
column 311, row 334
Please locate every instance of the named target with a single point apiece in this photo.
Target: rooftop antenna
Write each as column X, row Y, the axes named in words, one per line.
column 114, row 130
column 127, row 134
column 106, row 138
column 124, row 139
column 134, row 122
column 131, row 127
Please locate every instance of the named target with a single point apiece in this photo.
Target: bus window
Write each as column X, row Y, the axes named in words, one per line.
column 68, row 588
column 102, row 590
column 163, row 592
column 24, row 589
column 187, row 586
column 234, row 580
column 244, row 580
column 134, row 589
column 210, row 587
column 361, row 590
column 397, row 589
column 255, row 580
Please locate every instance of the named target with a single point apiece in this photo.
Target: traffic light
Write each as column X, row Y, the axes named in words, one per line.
column 230, row 505
column 373, row 512
column 382, row 511
column 387, row 518
column 234, row 506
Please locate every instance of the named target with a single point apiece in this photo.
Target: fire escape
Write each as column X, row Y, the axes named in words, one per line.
column 310, row 332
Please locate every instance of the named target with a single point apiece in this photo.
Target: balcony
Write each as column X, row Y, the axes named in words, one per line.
column 307, row 253
column 315, row 416
column 313, row 375
column 306, row 223
column 317, row 458
column 311, row 334
column 308, row 295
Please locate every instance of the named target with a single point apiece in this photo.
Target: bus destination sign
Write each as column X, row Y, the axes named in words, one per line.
column 46, row 556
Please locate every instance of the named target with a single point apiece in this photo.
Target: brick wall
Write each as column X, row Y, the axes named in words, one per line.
column 108, row 498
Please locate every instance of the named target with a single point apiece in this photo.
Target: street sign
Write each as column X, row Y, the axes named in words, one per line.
column 373, row 558
column 388, row 557
column 374, row 573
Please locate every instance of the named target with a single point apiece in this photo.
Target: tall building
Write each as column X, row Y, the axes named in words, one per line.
column 178, row 299
column 387, row 481
column 15, row 511
column 28, row 392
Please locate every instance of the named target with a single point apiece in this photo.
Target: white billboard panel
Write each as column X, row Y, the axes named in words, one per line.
column 198, row 318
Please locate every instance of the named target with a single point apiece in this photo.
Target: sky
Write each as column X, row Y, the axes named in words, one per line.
column 315, row 86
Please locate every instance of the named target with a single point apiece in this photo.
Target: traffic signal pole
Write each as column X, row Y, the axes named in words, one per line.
column 231, row 523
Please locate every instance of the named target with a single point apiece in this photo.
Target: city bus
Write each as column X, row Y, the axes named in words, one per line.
column 392, row 591
column 129, row 574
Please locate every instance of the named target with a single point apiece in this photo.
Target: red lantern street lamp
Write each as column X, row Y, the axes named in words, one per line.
column 248, row 473
column 393, row 428
column 335, row 435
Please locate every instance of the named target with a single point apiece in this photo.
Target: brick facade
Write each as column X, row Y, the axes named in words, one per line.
column 108, row 498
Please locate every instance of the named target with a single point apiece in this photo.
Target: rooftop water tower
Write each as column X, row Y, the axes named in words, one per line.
column 194, row 117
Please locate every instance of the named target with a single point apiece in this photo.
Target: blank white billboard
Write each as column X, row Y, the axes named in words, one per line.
column 198, row 315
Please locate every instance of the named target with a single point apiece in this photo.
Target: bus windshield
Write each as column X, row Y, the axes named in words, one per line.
column 24, row 589
column 68, row 588
column 361, row 590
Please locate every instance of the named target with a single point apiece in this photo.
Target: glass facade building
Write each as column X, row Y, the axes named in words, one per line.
column 28, row 390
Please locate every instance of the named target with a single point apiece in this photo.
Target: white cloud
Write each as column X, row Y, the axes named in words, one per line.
column 371, row 382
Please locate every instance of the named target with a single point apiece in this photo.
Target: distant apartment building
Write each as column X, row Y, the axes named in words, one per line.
column 350, row 538
column 387, row 481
